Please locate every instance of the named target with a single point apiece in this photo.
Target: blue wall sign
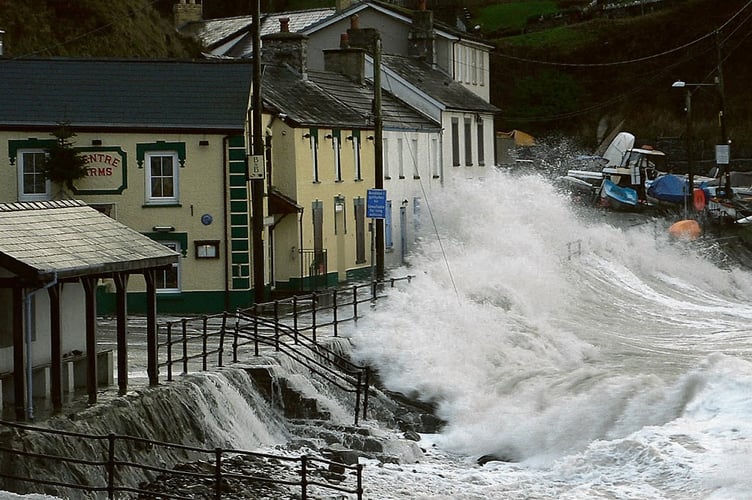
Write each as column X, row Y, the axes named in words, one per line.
column 376, row 203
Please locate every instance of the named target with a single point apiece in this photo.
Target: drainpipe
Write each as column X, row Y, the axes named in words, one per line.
column 29, row 358
column 227, row 217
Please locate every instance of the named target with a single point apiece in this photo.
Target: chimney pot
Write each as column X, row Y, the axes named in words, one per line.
column 354, row 22
column 284, row 24
column 344, row 41
column 421, row 4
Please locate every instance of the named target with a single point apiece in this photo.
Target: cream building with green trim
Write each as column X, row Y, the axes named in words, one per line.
column 165, row 151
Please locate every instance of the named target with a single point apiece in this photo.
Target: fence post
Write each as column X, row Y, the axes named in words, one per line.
column 169, row 351
column 276, row 317
column 314, row 306
column 235, row 336
column 304, row 477
column 203, row 344
column 218, row 473
column 365, row 394
column 295, row 316
column 334, row 299
column 111, row 466
column 185, row 346
column 357, row 397
column 359, row 478
column 221, row 350
column 355, row 303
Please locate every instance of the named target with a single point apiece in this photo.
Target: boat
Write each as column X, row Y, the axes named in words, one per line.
column 618, row 197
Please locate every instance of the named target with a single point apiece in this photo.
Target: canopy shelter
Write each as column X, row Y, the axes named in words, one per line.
column 63, row 247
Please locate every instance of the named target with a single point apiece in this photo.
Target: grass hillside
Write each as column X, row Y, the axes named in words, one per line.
column 91, row 28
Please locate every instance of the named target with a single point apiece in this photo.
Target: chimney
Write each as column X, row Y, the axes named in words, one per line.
column 421, row 39
column 346, row 60
column 285, row 48
column 364, row 38
column 340, row 5
column 187, row 11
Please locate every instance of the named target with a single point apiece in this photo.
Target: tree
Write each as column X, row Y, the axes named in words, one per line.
column 62, row 164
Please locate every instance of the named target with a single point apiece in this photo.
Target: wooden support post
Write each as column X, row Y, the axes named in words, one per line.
column 56, row 350
column 121, row 287
column 152, row 369
column 91, row 337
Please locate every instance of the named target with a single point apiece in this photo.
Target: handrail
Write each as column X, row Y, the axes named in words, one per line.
column 255, row 327
column 111, row 466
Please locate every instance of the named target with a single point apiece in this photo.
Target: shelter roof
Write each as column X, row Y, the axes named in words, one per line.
column 71, row 239
column 125, row 93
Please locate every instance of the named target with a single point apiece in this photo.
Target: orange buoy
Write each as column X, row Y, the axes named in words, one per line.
column 698, row 197
column 685, row 229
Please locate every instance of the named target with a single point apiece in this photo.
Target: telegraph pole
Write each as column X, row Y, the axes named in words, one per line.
column 257, row 148
column 378, row 123
column 723, row 152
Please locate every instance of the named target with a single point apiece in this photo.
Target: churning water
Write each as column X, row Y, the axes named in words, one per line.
column 596, row 360
column 591, row 355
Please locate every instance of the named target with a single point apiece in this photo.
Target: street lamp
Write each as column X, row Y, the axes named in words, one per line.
column 722, row 150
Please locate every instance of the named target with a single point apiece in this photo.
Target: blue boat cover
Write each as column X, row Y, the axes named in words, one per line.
column 670, row 188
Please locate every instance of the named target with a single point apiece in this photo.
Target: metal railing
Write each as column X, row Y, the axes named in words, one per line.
column 107, row 462
column 284, row 326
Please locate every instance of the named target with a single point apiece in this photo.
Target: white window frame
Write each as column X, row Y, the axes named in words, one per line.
column 356, row 157
column 337, row 159
column 162, row 200
column 162, row 276
column 21, row 161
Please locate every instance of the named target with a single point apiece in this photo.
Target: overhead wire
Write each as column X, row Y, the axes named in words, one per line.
column 643, row 83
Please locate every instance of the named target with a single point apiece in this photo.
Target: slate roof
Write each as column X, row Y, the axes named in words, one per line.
column 397, row 12
column 305, row 103
column 125, row 93
column 72, row 239
column 396, row 115
column 213, row 33
column 436, row 84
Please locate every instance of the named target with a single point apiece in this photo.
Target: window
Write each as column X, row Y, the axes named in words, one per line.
column 313, row 140
column 385, row 156
column 481, row 150
column 388, row 237
column 32, row 184
column 356, row 154
column 207, row 249
column 414, row 157
column 161, row 177
column 434, row 159
column 468, row 144
column 455, row 142
column 168, row 279
column 474, row 66
column 318, row 226
column 401, row 158
column 337, row 156
column 360, row 230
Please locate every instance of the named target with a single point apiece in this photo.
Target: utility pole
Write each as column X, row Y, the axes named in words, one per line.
column 379, row 151
column 723, row 150
column 257, row 148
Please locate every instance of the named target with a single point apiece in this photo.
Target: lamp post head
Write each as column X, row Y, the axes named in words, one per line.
column 678, row 84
